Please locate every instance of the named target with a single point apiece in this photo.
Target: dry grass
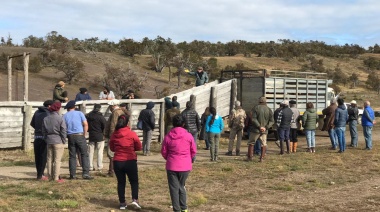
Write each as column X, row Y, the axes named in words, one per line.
column 324, row 181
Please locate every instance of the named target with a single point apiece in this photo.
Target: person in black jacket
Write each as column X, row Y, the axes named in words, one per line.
column 284, row 120
column 96, row 125
column 147, row 117
column 40, row 150
column 192, row 120
column 353, row 114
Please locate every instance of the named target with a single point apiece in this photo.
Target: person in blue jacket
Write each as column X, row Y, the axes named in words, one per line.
column 368, row 120
column 341, row 118
column 214, row 127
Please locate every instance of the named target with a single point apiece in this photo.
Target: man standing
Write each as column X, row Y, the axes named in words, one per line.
column 77, row 127
column 294, row 126
column 368, row 120
column 192, row 120
column 96, row 126
column 169, row 114
column 275, row 126
column 40, row 151
column 328, row 124
column 353, row 114
column 284, row 119
column 202, row 77
column 262, row 120
column 236, row 126
column 116, row 111
column 147, row 117
column 341, row 118
column 59, row 94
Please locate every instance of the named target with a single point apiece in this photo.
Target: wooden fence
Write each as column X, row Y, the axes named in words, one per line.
column 15, row 117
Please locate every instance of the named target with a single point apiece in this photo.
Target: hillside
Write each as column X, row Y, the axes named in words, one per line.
column 41, row 84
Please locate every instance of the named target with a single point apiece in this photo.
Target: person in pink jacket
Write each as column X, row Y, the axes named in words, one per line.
column 179, row 150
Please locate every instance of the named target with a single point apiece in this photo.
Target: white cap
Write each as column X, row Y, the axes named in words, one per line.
column 285, row 102
column 114, row 102
column 353, row 102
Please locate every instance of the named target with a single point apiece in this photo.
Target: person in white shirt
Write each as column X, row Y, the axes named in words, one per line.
column 106, row 94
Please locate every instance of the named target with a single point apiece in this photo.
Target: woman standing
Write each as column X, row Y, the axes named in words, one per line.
column 124, row 143
column 106, row 94
column 179, row 150
column 54, row 131
column 309, row 121
column 203, row 134
column 214, row 127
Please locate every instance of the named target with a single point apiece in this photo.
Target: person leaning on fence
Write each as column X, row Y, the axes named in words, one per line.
column 147, row 117
column 262, row 120
column 214, row 128
column 236, row 125
column 201, row 76
column 82, row 95
column 116, row 111
column 179, row 150
column 96, row 126
column 309, row 121
column 106, row 94
column 54, row 131
column 77, row 128
column 59, row 94
column 40, row 151
column 124, row 143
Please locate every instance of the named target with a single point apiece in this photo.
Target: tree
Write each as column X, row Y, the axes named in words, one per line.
column 372, row 63
column 163, row 51
column 71, row 67
column 373, row 81
column 339, row 76
column 34, row 42
column 354, row 78
column 129, row 47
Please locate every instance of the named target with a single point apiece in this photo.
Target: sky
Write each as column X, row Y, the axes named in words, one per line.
column 331, row 21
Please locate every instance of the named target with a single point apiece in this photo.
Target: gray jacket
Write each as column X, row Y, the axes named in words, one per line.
column 202, row 77
column 54, row 129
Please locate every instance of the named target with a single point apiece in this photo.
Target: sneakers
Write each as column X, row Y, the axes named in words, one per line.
column 44, row 178
column 123, row 206
column 72, row 177
column 87, row 177
column 60, row 181
column 136, row 204
column 229, row 153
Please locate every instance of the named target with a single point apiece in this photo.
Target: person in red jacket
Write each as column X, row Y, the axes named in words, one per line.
column 179, row 150
column 124, row 143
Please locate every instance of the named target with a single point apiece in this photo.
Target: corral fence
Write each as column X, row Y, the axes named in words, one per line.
column 15, row 116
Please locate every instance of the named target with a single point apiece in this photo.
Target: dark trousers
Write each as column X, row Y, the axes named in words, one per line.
column 293, row 135
column 176, row 181
column 40, row 156
column 78, row 142
column 123, row 169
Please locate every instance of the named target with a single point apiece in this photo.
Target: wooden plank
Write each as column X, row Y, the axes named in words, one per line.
column 7, row 124
column 14, row 134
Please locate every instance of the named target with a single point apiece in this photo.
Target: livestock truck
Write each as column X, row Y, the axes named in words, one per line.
column 277, row 85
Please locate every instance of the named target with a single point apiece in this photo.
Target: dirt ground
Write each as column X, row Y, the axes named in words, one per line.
column 364, row 194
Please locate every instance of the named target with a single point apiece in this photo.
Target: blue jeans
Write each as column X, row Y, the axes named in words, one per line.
column 333, row 138
column 78, row 141
column 367, row 131
column 257, row 147
column 353, row 132
column 341, row 138
column 310, row 138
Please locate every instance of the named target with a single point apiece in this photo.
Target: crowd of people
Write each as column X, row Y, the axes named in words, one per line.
column 182, row 130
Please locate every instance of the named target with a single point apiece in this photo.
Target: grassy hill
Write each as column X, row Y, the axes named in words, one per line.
column 41, row 84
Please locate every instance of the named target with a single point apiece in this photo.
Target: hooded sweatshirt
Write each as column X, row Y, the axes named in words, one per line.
column 37, row 120
column 147, row 116
column 124, row 142
column 178, row 149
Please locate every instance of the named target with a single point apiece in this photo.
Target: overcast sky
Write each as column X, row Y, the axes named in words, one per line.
column 331, row 21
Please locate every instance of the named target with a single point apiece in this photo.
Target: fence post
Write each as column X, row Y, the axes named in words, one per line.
column 26, row 138
column 213, row 98
column 233, row 94
column 9, row 78
column 162, row 122
column 82, row 107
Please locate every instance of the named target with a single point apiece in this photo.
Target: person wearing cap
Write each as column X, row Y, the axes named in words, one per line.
column 54, row 131
column 340, row 121
column 147, row 117
column 59, row 94
column 236, row 125
column 328, row 123
column 309, row 122
column 275, row 127
column 77, row 128
column 201, row 76
column 294, row 126
column 106, row 94
column 353, row 115
column 96, row 126
column 40, row 151
column 169, row 114
column 116, row 111
column 262, row 120
column 368, row 120
column 82, row 95
column 284, row 120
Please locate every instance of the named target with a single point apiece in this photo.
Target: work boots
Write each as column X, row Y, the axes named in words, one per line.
column 229, row 153
column 263, row 152
column 237, row 152
column 295, row 146
column 250, row 153
column 291, row 146
column 281, row 147
column 287, row 146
